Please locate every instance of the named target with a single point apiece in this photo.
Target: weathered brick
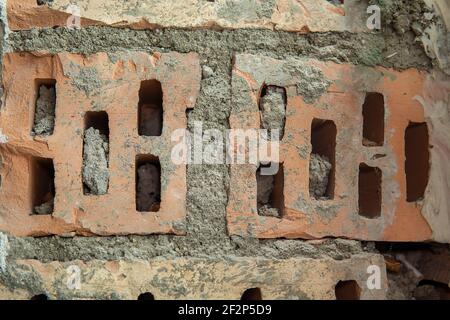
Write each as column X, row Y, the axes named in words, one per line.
column 340, row 102
column 100, row 82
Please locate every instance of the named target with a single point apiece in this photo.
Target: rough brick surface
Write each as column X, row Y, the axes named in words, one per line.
column 184, row 278
column 100, row 82
column 341, row 91
column 287, row 15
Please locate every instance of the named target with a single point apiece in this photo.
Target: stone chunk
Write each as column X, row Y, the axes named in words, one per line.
column 273, row 110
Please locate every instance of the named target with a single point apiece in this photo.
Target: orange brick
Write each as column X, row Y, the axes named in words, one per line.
column 113, row 88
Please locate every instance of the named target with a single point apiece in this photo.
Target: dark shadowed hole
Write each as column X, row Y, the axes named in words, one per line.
column 417, row 164
column 146, row 296
column 323, row 141
column 39, row 297
column 42, row 182
column 150, row 108
column 98, row 120
column 384, row 247
column 369, row 191
column 252, row 294
column 347, row 290
column 188, row 113
column 148, row 183
column 47, row 82
column 373, row 120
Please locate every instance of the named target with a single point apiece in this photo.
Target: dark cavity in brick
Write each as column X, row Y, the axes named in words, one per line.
column 347, row 290
column 146, row 296
column 252, row 294
column 42, row 185
column 39, row 297
column 373, row 120
column 148, row 183
column 44, row 115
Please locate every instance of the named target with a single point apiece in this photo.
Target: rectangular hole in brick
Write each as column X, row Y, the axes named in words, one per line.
column 252, row 294
column 270, row 190
column 272, row 107
column 45, row 105
column 148, row 183
column 336, row 2
column 373, row 120
column 322, row 160
column 42, row 185
column 369, row 191
column 150, row 108
column 95, row 172
column 417, row 164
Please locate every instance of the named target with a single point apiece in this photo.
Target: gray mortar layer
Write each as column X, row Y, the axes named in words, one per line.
column 207, row 184
column 364, row 48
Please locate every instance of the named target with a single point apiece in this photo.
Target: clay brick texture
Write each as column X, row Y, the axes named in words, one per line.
column 227, row 149
column 85, row 86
